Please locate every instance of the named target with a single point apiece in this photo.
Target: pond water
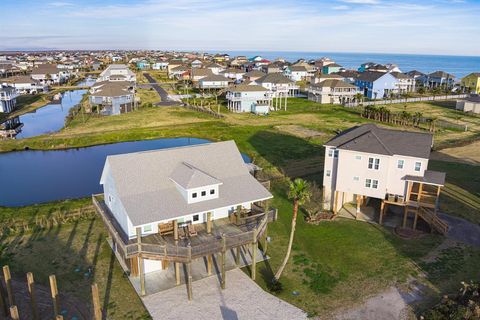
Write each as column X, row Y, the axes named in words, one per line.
column 30, row 177
column 49, row 118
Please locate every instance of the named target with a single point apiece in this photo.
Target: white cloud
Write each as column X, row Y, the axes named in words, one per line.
column 361, row 1
column 60, row 4
column 342, row 7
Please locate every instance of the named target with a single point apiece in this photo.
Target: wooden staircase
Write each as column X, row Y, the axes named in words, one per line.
column 433, row 220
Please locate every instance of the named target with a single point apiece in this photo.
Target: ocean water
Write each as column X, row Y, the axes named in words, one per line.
column 459, row 66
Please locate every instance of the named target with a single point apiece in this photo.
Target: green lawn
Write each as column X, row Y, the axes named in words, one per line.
column 338, row 264
column 68, row 250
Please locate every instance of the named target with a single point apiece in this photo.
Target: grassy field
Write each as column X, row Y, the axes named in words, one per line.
column 68, row 250
column 334, row 264
column 338, row 264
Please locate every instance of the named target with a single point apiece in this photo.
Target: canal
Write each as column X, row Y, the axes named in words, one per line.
column 30, row 177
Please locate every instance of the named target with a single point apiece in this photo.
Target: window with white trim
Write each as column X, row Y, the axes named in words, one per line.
column 356, row 178
column 373, row 163
column 195, row 217
column 335, row 154
column 400, row 163
column 374, row 184
column 147, row 228
column 328, row 173
column 204, row 193
column 418, row 166
column 368, row 183
column 330, row 152
column 358, row 157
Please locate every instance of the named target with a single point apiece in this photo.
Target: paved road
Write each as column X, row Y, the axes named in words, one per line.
column 242, row 299
column 165, row 101
column 462, row 230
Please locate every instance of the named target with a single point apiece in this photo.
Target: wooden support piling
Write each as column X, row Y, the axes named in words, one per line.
column 405, row 216
column 55, row 297
column 237, row 256
column 209, row 264
column 209, row 222
column 335, row 204
column 382, row 207
column 8, row 282
column 223, row 261
column 14, row 313
column 254, row 254
column 3, row 304
column 265, row 245
column 141, row 267
column 358, row 207
column 189, row 274
column 177, row 273
column 31, row 293
column 415, row 220
column 175, row 230
column 97, row 310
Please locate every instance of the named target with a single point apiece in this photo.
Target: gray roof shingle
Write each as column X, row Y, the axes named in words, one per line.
column 371, row 139
column 148, row 194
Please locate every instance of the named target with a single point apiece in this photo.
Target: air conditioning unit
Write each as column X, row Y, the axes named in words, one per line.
column 400, row 198
column 391, row 197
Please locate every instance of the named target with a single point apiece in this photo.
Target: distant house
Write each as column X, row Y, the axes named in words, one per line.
column 160, row 65
column 215, row 68
column 199, row 73
column 322, row 62
column 117, row 72
column 405, row 82
column 213, row 81
column 49, row 74
column 349, row 76
column 368, row 164
column 440, row 79
column 278, row 85
column 8, row 99
column 248, row 98
column 320, row 77
column 297, row 73
column 113, row 97
column 233, row 73
column 419, row 77
column 471, row 82
column 376, row 85
column 143, row 64
column 25, row 84
column 196, row 63
column 332, row 92
column 183, row 201
column 178, row 72
column 253, row 75
column 470, row 104
column 376, row 67
column 331, row 68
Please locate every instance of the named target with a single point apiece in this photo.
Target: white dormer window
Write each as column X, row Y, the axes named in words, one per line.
column 204, row 193
column 212, row 191
column 194, row 195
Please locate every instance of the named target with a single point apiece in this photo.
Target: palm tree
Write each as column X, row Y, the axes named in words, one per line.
column 299, row 191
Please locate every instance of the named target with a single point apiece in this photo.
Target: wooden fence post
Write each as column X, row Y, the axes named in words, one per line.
column 97, row 310
column 189, row 273
column 3, row 304
column 14, row 313
column 55, row 297
column 31, row 292
column 8, row 282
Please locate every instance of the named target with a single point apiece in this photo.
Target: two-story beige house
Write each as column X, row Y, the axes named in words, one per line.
column 390, row 165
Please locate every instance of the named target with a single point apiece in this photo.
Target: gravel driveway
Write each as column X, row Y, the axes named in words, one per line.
column 242, row 299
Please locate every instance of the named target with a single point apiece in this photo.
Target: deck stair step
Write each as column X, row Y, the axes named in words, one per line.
column 433, row 220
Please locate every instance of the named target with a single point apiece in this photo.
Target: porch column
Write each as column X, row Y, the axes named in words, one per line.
column 209, row 264
column 141, row 269
column 415, row 219
column 177, row 273
column 405, row 214
column 437, row 200
column 177, row 264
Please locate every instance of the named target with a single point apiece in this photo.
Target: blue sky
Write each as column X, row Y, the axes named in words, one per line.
column 385, row 26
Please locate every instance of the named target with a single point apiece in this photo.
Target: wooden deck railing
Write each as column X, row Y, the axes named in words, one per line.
column 181, row 253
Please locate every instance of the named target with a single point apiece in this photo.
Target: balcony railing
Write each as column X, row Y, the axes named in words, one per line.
column 248, row 230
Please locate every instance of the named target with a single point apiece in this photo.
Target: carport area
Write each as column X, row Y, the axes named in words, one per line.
column 241, row 299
